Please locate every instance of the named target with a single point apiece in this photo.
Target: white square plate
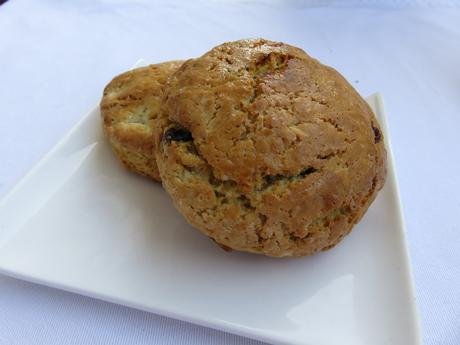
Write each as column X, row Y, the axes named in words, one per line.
column 81, row 223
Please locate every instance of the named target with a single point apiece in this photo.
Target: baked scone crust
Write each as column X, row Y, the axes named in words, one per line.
column 131, row 101
column 266, row 150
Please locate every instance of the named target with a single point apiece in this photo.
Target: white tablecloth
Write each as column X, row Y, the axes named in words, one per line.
column 56, row 57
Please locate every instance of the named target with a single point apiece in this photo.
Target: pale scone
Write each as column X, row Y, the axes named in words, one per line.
column 266, row 150
column 131, row 101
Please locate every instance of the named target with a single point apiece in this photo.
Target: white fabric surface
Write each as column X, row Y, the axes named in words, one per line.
column 56, row 57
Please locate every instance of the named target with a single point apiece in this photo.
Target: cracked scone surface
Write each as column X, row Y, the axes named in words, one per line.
column 131, row 101
column 266, row 150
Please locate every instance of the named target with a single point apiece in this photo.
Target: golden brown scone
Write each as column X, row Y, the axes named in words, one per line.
column 266, row 150
column 131, row 101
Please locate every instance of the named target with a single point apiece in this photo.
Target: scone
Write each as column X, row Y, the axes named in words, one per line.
column 266, row 150
column 131, row 101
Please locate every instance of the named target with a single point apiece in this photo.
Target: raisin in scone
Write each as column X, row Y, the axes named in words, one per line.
column 131, row 101
column 266, row 150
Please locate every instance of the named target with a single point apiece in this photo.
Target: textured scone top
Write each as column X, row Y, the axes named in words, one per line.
column 266, row 150
column 261, row 111
column 131, row 100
